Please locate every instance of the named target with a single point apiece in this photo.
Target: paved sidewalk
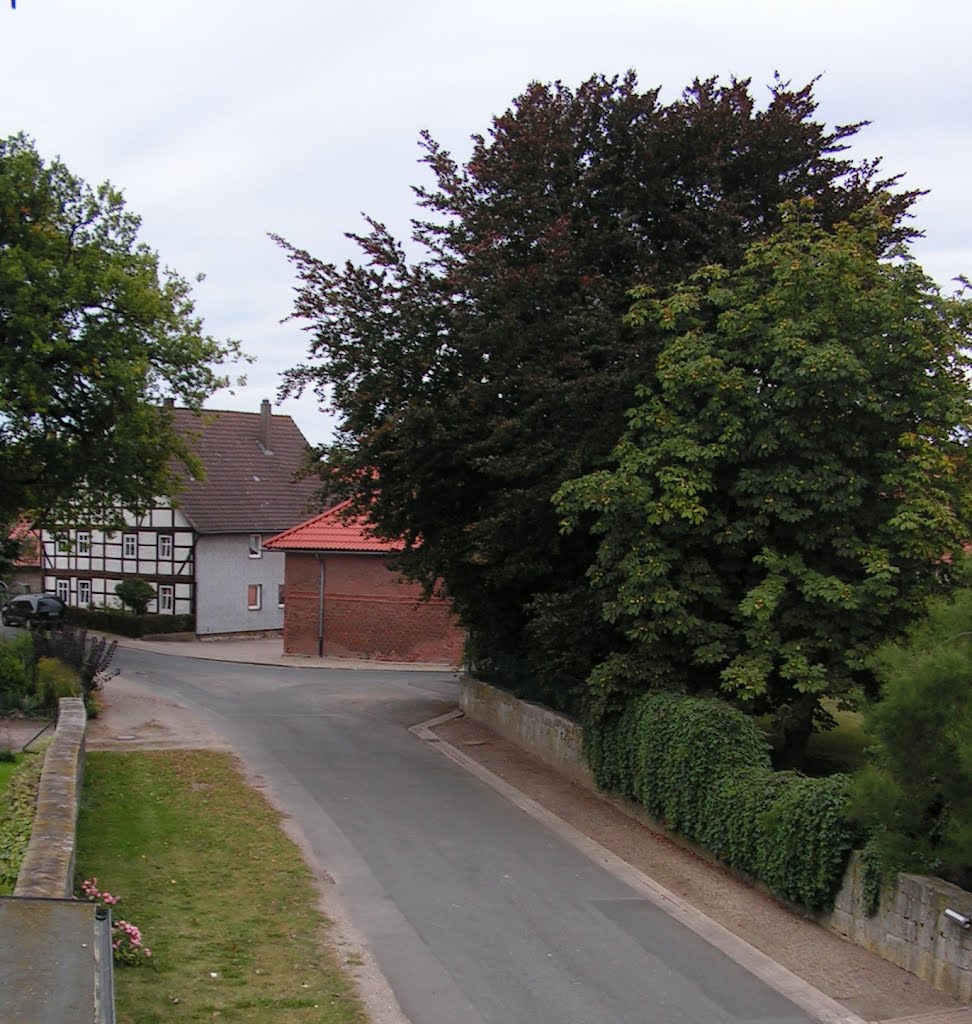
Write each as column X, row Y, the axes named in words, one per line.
column 267, row 651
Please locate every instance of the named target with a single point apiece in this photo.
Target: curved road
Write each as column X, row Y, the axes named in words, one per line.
column 474, row 912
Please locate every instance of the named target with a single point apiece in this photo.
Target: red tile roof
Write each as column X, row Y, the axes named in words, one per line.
column 249, row 485
column 332, row 531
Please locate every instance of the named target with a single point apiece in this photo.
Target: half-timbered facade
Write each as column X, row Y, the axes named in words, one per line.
column 83, row 565
column 202, row 551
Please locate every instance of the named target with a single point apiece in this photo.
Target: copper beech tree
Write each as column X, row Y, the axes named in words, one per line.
column 477, row 372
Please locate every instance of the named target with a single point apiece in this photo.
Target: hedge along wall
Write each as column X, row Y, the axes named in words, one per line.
column 703, row 768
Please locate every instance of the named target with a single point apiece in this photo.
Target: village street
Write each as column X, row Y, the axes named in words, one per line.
column 474, row 911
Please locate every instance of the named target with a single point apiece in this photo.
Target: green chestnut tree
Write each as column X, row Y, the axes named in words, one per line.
column 491, row 363
column 93, row 334
column 790, row 478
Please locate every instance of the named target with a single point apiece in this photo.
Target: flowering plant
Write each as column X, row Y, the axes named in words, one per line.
column 126, row 939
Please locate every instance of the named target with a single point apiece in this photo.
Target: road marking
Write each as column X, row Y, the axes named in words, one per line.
column 812, row 1001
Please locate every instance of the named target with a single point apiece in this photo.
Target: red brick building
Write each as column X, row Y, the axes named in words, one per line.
column 342, row 600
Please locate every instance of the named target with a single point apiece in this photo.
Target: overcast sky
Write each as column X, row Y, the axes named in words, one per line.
column 225, row 119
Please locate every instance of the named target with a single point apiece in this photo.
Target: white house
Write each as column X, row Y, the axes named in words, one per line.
column 202, row 551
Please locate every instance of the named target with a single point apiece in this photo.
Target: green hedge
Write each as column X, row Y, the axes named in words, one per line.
column 125, row 623
column 703, row 768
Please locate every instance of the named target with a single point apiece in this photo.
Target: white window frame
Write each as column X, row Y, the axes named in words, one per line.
column 63, row 544
column 166, row 599
column 256, row 545
column 281, row 594
column 129, row 540
column 84, row 593
column 62, row 588
column 84, row 542
column 254, row 603
column 165, row 546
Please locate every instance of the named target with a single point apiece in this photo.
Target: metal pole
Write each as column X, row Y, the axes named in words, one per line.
column 320, row 610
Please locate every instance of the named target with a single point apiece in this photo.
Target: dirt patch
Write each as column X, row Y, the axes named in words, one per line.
column 133, row 717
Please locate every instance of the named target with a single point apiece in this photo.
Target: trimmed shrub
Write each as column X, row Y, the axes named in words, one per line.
column 703, row 768
column 126, row 623
column 136, row 594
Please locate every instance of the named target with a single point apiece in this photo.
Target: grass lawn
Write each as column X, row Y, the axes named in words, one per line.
column 221, row 895
column 840, row 749
column 6, row 770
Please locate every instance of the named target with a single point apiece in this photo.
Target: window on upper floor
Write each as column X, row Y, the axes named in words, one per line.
column 254, row 596
column 256, row 545
column 165, row 545
column 130, row 545
column 84, row 543
column 63, row 544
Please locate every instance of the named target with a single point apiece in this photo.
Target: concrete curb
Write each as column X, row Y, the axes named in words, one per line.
column 812, row 1001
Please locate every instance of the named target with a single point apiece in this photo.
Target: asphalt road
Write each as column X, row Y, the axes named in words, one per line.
column 474, row 911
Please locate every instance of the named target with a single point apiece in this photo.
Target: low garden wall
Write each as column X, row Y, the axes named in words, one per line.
column 910, row 929
column 48, row 865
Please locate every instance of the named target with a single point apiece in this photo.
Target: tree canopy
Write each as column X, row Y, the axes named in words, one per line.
column 93, row 334
column 790, row 480
column 475, row 379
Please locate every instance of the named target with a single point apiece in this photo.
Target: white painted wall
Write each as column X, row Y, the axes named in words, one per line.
column 224, row 571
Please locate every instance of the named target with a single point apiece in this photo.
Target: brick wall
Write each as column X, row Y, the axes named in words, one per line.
column 369, row 612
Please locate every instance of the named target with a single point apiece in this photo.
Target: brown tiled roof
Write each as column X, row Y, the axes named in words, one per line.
column 330, row 531
column 247, row 487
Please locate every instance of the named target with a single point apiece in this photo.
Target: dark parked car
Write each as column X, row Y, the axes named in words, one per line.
column 33, row 610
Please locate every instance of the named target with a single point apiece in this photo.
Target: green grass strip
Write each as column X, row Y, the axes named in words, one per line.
column 17, row 802
column 221, row 895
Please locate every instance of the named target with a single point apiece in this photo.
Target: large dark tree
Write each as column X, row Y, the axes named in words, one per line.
column 473, row 381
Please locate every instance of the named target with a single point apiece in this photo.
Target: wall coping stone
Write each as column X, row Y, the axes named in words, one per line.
column 48, row 864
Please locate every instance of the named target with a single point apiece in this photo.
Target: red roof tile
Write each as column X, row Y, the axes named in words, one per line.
column 331, row 531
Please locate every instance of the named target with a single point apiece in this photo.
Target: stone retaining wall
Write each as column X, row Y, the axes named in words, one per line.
column 48, row 865
column 910, row 929
column 552, row 737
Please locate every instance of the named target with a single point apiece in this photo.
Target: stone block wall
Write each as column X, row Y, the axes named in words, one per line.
column 48, row 865
column 910, row 929
column 554, row 738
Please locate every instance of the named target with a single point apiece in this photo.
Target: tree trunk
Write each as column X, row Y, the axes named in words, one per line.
column 797, row 728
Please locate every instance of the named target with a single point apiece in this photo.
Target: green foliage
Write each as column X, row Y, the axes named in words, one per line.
column 795, row 467
column 17, row 817
column 703, row 768
column 93, row 334
column 916, row 793
column 55, row 679
column 474, row 381
column 17, row 673
column 89, row 656
column 126, row 623
column 136, row 594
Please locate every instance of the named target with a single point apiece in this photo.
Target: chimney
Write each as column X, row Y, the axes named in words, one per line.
column 265, row 415
column 168, row 403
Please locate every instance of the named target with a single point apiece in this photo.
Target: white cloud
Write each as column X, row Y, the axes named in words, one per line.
column 225, row 119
